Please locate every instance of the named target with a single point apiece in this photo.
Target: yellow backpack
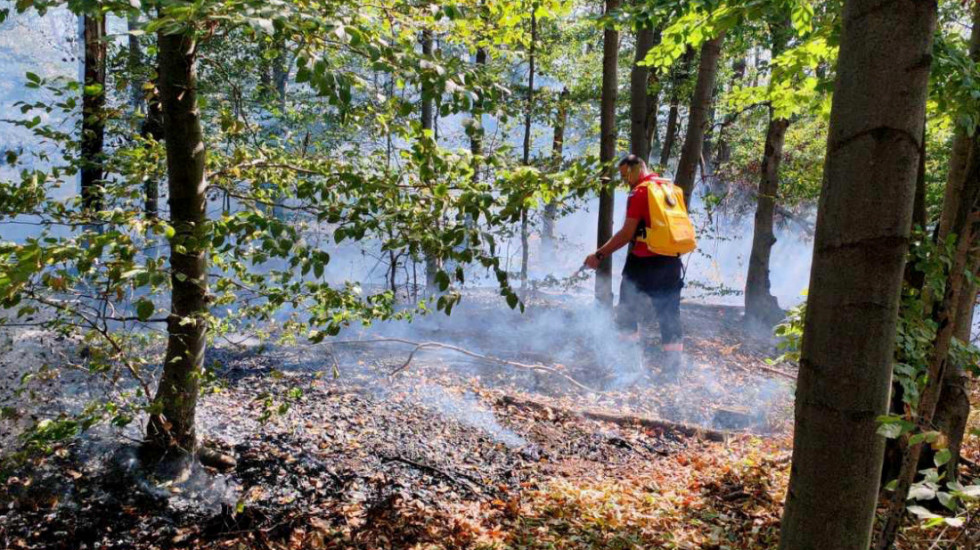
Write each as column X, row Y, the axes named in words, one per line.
column 671, row 232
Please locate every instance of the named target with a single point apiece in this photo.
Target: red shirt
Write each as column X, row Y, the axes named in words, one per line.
column 638, row 207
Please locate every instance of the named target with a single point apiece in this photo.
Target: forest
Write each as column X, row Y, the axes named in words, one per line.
column 490, row 274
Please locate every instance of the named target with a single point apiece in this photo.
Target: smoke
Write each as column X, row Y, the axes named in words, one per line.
column 466, row 409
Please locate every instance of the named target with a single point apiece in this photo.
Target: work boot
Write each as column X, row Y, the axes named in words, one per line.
column 674, row 365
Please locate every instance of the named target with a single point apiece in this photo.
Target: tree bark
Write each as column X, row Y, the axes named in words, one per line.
column 963, row 219
column 760, row 305
column 697, row 119
column 93, row 113
column 640, row 96
column 280, row 72
column 679, row 75
column 171, row 429
column 526, row 158
column 476, row 133
column 152, row 125
column 428, row 101
column 953, row 408
column 607, row 153
column 859, row 254
column 134, row 61
column 670, row 133
column 557, row 147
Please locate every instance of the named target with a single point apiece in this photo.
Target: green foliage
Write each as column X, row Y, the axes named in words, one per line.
column 292, row 181
column 790, row 334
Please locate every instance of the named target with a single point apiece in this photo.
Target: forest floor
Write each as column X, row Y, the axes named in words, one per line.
column 453, row 451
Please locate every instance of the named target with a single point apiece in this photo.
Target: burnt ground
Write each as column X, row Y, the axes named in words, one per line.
column 443, row 454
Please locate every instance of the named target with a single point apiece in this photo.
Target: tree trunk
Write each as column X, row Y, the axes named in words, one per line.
column 953, row 408
column 697, row 119
column 476, row 132
column 280, row 72
column 171, row 429
column 525, row 230
column 607, row 153
column 678, row 77
column 640, row 95
column 760, row 305
column 724, row 149
column 93, row 115
column 134, row 62
column 963, row 219
column 653, row 110
column 670, row 134
column 557, row 146
column 859, row 255
column 428, row 100
column 152, row 125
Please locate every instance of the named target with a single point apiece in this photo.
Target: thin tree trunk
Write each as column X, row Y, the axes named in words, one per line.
column 134, row 62
column 476, row 135
column 724, row 150
column 639, row 96
column 760, row 305
column 697, row 119
column 859, row 254
column 428, row 100
column 171, row 429
column 670, row 134
column 963, row 218
column 152, row 125
column 953, row 408
column 525, row 230
column 93, row 115
column 653, row 110
column 607, row 152
column 557, row 147
column 679, row 75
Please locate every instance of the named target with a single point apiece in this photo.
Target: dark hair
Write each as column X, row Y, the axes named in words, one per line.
column 630, row 160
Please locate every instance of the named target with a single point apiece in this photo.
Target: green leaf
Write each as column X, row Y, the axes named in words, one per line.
column 922, row 513
column 942, row 457
column 442, row 279
column 927, row 437
column 144, row 309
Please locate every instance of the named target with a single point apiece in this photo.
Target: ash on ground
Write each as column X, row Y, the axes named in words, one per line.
column 355, row 457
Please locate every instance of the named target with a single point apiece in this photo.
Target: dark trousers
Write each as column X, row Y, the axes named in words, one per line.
column 652, row 284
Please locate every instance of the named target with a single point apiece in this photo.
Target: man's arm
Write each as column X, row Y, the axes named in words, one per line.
column 619, row 240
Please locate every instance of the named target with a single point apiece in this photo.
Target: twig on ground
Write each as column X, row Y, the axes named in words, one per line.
column 419, row 346
column 763, row 368
column 432, row 470
column 624, row 420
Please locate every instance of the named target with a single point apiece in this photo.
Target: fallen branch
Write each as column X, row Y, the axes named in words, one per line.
column 752, row 369
column 419, row 346
column 623, row 420
column 433, row 471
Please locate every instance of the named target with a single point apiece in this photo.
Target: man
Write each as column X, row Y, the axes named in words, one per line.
column 651, row 281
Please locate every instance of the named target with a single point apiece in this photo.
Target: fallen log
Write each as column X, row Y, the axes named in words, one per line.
column 623, row 420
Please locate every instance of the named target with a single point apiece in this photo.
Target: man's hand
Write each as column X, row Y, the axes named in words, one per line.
column 592, row 261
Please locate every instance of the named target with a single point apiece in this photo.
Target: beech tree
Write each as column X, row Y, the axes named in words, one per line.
column 760, row 305
column 849, row 329
column 607, row 150
column 642, row 124
column 697, row 118
column 93, row 106
column 953, row 408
